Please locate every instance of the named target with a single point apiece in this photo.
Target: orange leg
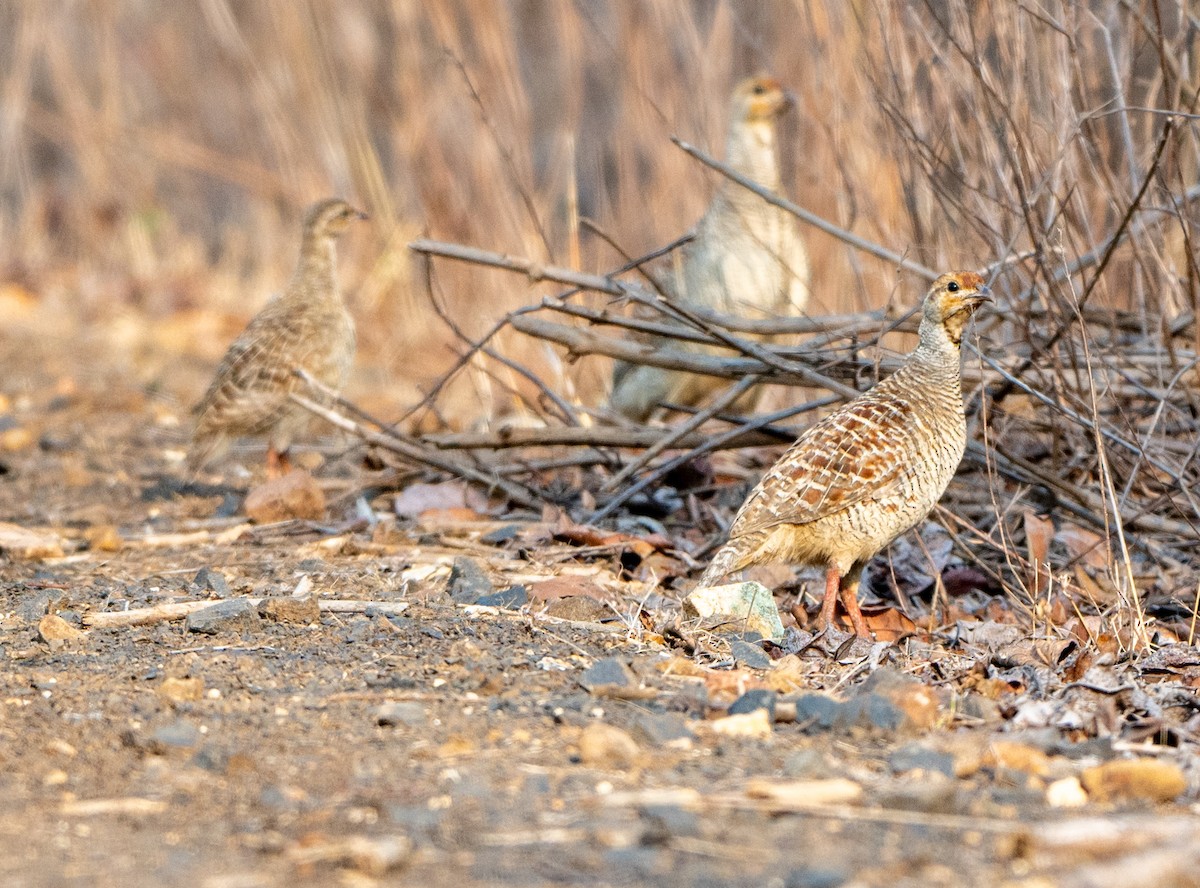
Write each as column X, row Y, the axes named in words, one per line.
column 833, row 582
column 278, row 462
column 849, row 594
column 844, row 588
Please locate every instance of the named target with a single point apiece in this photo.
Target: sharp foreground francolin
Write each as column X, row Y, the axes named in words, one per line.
column 869, row 471
column 305, row 327
column 746, row 259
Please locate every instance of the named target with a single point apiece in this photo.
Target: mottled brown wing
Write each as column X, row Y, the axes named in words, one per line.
column 848, row 457
column 255, row 376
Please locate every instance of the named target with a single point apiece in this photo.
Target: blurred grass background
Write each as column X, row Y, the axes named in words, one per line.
column 155, row 158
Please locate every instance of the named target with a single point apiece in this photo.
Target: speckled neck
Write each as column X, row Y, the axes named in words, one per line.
column 939, row 348
column 316, row 273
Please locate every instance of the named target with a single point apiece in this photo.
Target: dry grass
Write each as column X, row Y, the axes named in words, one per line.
column 154, row 160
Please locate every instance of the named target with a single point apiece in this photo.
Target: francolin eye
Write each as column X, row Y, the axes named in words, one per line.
column 952, row 287
column 759, row 89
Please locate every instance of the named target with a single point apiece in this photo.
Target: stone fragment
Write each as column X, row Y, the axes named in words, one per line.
column 181, row 690
column 1153, row 780
column 755, row 724
column 758, row 698
column 396, row 713
column 816, row 712
column 501, row 535
column 303, row 611
column 918, row 759
column 56, row 631
column 661, row 823
column 917, row 702
column 932, row 794
column 209, row 580
column 16, row 438
column 749, row 605
column 295, row 495
column 468, row 581
column 578, row 608
column 607, row 746
column 234, row 615
column 816, row 877
column 748, row 654
column 662, row 729
column 512, row 598
column 176, row 735
column 1066, row 793
column 607, row 675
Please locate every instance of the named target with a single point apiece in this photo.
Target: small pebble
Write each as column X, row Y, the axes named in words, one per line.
column 607, row 746
column 234, row 615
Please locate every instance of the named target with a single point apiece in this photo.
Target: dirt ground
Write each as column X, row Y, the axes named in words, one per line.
column 576, row 731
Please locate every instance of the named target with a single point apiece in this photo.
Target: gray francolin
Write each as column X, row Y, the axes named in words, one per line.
column 747, row 258
column 869, row 471
column 306, row 327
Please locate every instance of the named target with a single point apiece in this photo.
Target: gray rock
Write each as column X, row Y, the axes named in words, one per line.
column 661, row 823
column 806, row 764
column 512, row 598
column 815, row 877
column 749, row 654
column 234, row 615
column 660, row 728
column 915, row 757
column 209, row 580
column 750, row 605
column 468, row 581
column 501, row 535
column 816, row 712
column 759, row 698
column 870, row 711
column 607, row 674
column 32, row 606
column 408, row 714
column 176, row 735
column 936, row 796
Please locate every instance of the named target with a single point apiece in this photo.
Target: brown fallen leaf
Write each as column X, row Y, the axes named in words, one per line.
column 888, row 623
column 448, row 517
column 294, row 495
column 565, row 587
column 1039, row 531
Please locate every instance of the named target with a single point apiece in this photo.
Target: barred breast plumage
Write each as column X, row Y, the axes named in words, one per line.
column 869, row 471
column 747, row 258
column 307, row 326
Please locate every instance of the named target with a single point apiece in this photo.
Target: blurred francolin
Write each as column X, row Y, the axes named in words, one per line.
column 747, row 258
column 305, row 327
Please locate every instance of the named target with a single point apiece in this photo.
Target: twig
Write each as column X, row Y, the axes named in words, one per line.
column 707, row 446
column 178, row 610
column 416, row 453
column 804, row 215
column 675, row 435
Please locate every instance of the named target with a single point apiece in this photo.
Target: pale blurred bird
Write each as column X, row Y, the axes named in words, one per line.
column 747, row 258
column 869, row 471
column 306, row 327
